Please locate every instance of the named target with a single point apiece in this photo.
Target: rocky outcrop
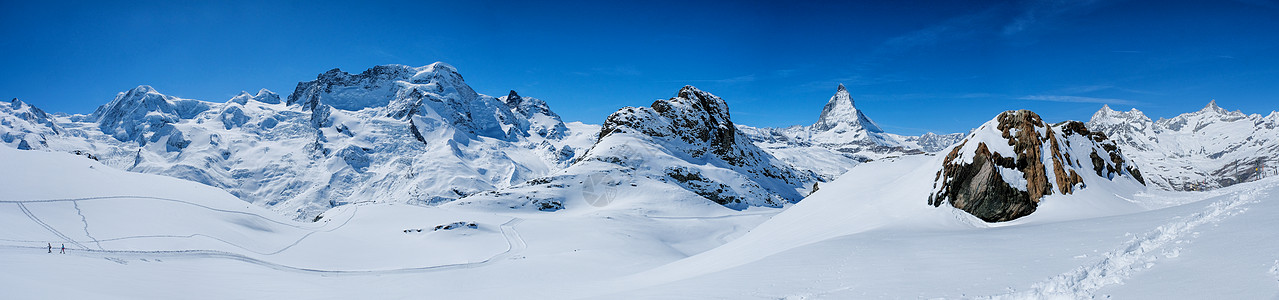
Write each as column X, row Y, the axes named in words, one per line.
column 686, row 145
column 1002, row 170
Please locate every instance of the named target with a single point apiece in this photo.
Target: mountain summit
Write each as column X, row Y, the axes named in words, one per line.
column 842, row 137
column 841, row 115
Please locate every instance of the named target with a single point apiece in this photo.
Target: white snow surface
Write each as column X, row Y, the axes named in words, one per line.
column 868, row 234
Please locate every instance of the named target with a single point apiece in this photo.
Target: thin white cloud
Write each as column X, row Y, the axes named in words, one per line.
column 1077, row 99
column 1044, row 13
column 957, row 28
column 738, row 79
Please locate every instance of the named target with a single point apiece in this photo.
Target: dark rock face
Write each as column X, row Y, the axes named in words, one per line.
column 695, row 116
column 982, row 188
column 978, row 189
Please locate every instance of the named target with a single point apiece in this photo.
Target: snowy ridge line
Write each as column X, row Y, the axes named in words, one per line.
column 514, row 241
column 46, row 226
column 84, row 220
column 1135, row 255
column 20, row 202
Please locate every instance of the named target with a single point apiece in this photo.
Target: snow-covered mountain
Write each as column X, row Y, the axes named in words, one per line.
column 391, row 133
column 1003, row 169
column 1206, row 149
column 842, row 137
column 26, row 127
column 868, row 234
column 685, row 148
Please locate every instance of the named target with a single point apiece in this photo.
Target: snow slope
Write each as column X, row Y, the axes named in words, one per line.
column 866, row 236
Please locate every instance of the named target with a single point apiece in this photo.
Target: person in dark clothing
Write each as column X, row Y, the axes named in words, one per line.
column 50, row 247
column 64, row 249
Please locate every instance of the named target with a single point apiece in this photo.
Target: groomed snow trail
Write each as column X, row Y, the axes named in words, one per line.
column 1137, row 254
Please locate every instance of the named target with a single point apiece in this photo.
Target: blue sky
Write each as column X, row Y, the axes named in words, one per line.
column 912, row 66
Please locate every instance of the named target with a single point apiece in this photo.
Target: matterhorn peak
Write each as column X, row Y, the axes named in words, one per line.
column 841, row 112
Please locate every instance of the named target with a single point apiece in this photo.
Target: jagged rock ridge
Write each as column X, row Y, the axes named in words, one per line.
column 686, row 146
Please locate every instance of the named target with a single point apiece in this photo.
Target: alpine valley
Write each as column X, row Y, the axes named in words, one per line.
column 404, row 182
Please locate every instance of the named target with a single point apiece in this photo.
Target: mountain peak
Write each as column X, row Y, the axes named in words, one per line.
column 1212, row 107
column 143, row 89
column 513, row 99
column 264, row 96
column 688, row 92
column 840, row 110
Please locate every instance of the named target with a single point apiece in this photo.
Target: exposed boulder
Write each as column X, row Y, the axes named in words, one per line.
column 1003, row 169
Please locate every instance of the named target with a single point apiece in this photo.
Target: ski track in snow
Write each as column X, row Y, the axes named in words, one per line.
column 1136, row 255
column 84, row 220
column 515, row 243
column 50, row 228
column 21, row 202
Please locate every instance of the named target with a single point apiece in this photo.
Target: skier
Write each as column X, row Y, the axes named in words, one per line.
column 50, row 248
column 64, row 248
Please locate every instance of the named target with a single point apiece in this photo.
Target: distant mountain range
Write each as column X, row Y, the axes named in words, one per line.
column 421, row 135
column 1202, row 150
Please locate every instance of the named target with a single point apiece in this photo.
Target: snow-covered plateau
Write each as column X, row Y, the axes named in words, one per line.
column 404, row 183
